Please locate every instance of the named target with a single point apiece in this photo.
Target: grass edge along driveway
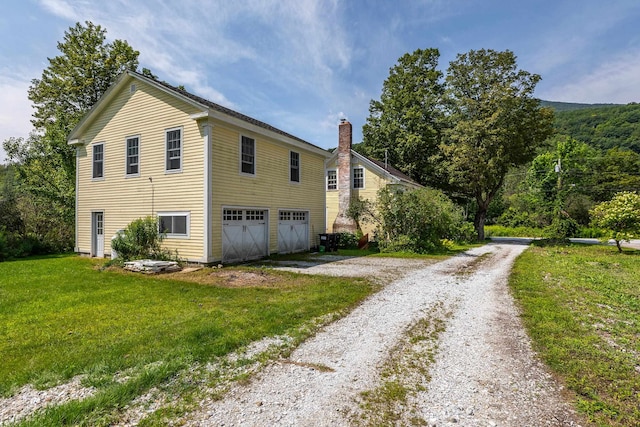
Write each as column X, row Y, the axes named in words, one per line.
column 581, row 307
column 61, row 316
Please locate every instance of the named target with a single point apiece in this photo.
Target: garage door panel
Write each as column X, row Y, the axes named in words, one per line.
column 232, row 242
column 244, row 234
column 293, row 231
column 255, row 240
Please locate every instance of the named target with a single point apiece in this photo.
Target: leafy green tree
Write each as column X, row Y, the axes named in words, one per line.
column 404, row 125
column 76, row 79
column 560, row 179
column 495, row 123
column 620, row 217
column 68, row 88
column 616, row 170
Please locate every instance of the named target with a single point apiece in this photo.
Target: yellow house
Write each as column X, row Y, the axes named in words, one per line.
column 350, row 175
column 225, row 187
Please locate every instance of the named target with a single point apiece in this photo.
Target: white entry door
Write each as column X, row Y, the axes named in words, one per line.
column 244, row 234
column 98, row 234
column 293, row 231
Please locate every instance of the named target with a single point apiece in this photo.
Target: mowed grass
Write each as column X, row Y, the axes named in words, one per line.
column 581, row 305
column 62, row 316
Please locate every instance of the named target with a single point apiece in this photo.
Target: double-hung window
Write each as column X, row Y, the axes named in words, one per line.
column 358, row 178
column 98, row 161
column 133, row 156
column 174, row 150
column 332, row 180
column 174, row 224
column 248, row 155
column 294, row 166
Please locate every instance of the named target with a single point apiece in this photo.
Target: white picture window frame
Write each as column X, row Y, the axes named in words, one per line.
column 174, row 225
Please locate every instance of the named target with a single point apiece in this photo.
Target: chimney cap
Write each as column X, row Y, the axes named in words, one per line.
column 343, row 120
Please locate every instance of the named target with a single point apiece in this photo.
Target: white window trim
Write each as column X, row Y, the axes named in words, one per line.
column 255, row 157
column 353, row 181
column 326, row 179
column 299, row 167
column 166, row 151
column 99, row 178
column 126, row 156
column 177, row 213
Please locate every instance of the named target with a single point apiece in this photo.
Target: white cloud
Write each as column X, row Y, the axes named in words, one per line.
column 60, row 8
column 298, row 43
column 615, row 81
column 15, row 108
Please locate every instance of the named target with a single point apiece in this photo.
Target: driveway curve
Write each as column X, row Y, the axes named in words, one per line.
column 479, row 369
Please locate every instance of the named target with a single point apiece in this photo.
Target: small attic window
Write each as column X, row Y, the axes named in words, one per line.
column 132, row 88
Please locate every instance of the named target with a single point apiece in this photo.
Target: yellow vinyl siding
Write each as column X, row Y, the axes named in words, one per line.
column 270, row 188
column 147, row 112
column 373, row 181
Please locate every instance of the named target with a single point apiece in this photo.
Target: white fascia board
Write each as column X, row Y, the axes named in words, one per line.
column 374, row 166
column 237, row 122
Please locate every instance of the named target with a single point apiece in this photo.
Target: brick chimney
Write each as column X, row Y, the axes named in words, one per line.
column 343, row 223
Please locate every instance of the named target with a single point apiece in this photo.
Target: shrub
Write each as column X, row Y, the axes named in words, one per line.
column 348, row 240
column 562, row 227
column 15, row 245
column 418, row 220
column 514, row 218
column 140, row 240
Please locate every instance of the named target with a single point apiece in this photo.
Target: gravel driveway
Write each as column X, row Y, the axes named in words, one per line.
column 477, row 369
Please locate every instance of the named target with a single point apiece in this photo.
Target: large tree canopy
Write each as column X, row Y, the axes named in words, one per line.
column 494, row 123
column 462, row 134
column 76, row 79
column 404, row 125
column 68, row 88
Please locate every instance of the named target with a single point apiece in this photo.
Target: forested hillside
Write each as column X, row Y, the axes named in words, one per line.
column 594, row 154
column 603, row 127
column 570, row 106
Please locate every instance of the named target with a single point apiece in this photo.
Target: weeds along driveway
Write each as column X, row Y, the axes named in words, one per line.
column 442, row 345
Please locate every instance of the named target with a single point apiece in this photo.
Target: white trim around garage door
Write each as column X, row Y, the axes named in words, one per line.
column 245, row 233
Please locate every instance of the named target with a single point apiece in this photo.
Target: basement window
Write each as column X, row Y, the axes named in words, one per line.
column 174, row 224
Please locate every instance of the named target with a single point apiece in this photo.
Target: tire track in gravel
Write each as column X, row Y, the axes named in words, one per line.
column 484, row 372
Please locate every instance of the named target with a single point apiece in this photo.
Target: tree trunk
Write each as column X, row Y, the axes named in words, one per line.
column 618, row 245
column 478, row 221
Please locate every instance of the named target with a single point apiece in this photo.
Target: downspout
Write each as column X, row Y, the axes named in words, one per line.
column 77, row 249
column 207, row 189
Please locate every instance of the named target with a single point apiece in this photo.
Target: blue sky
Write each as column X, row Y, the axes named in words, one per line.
column 301, row 65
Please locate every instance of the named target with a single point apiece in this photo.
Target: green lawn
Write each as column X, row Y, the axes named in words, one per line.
column 62, row 316
column 581, row 306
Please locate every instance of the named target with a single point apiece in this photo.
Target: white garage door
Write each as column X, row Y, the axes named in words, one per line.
column 244, row 234
column 293, row 232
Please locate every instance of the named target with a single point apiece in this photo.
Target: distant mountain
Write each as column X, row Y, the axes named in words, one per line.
column 570, row 106
column 603, row 127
